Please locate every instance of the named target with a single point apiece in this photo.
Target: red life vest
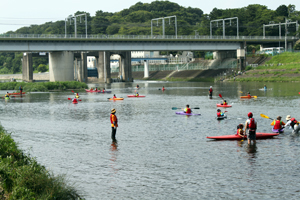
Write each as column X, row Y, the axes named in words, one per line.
column 188, row 110
column 238, row 131
column 293, row 121
column 74, row 100
column 252, row 124
column 219, row 114
column 277, row 124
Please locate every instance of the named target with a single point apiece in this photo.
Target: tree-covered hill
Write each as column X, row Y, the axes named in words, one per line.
column 136, row 20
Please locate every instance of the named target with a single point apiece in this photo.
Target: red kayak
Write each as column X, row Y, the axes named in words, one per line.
column 225, row 106
column 135, row 96
column 237, row 137
column 92, row 90
column 16, row 93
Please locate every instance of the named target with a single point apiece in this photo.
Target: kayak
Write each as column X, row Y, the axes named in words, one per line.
column 246, row 97
column 16, row 93
column 135, row 96
column 75, row 102
column 278, row 130
column 225, row 106
column 237, row 137
column 92, row 90
column 222, row 117
column 116, row 99
column 183, row 113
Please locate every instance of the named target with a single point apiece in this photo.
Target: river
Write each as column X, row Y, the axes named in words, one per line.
column 158, row 154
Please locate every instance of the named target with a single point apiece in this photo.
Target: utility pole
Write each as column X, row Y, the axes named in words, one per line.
column 237, row 25
column 75, row 23
column 163, row 24
column 287, row 22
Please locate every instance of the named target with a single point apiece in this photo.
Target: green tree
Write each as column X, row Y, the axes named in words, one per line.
column 282, row 11
column 42, row 68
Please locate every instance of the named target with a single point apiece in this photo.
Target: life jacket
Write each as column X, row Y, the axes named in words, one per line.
column 188, row 110
column 293, row 122
column 277, row 124
column 111, row 120
column 219, row 114
column 238, row 131
column 249, row 95
column 74, row 100
column 224, row 103
column 252, row 125
column 210, row 90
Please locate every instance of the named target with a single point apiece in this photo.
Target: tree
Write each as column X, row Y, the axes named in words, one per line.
column 282, row 11
column 42, row 68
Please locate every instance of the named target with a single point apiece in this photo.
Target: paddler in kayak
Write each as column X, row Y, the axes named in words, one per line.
column 76, row 95
column 293, row 123
column 187, row 109
column 251, row 126
column 75, row 100
column 278, row 125
column 137, row 94
column 103, row 90
column 137, row 86
column 249, row 95
column 224, row 102
column 220, row 113
column 114, row 124
column 96, row 89
column 240, row 130
column 6, row 95
column 114, row 96
column 210, row 91
column 265, row 87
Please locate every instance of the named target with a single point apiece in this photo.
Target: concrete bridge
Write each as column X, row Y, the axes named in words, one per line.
column 67, row 54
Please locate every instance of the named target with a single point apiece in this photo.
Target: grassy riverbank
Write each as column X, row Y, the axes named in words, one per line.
column 281, row 68
column 43, row 86
column 21, row 177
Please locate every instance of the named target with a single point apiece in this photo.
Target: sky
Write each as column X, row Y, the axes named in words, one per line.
column 15, row 14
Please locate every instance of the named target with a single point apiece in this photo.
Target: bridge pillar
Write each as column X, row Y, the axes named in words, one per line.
column 61, row 66
column 125, row 66
column 27, row 71
column 146, row 69
column 82, row 75
column 103, row 66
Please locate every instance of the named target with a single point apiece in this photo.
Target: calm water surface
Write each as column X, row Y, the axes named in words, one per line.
column 160, row 155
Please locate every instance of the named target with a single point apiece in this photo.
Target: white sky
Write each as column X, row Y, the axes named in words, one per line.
column 15, row 14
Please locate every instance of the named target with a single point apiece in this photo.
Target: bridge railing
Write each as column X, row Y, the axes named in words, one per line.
column 142, row 37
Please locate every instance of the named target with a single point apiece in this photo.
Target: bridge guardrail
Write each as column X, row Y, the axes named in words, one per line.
column 143, row 37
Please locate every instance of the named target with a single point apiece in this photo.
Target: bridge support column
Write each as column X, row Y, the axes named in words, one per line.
column 82, row 68
column 61, row 66
column 146, row 69
column 27, row 71
column 125, row 66
column 103, row 66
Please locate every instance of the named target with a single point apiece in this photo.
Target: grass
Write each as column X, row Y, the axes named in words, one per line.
column 43, row 86
column 285, row 58
column 23, row 178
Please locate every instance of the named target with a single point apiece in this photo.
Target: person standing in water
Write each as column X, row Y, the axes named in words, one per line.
column 114, row 124
column 21, row 90
column 251, row 126
column 210, row 91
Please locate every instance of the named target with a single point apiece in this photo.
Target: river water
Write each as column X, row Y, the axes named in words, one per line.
column 158, row 154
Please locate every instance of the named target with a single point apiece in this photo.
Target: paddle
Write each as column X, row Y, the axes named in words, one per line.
column 72, row 91
column 175, row 108
column 221, row 96
column 264, row 116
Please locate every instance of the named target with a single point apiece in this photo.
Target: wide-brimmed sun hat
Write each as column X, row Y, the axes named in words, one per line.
column 288, row 117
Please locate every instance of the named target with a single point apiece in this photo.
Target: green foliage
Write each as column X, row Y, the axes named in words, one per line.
column 23, row 178
column 248, row 68
column 285, row 58
column 42, row 68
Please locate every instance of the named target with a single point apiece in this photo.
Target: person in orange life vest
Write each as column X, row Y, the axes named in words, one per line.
column 251, row 126
column 240, row 130
column 219, row 113
column 293, row 123
column 114, row 124
column 249, row 95
column 7, row 95
column 187, row 109
column 114, row 96
column 278, row 125
column 224, row 103
column 210, row 91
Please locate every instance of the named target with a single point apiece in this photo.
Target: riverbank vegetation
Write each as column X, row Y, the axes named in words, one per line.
column 43, row 86
column 284, row 67
column 21, row 177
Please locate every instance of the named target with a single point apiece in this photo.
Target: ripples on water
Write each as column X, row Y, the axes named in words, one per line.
column 160, row 155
